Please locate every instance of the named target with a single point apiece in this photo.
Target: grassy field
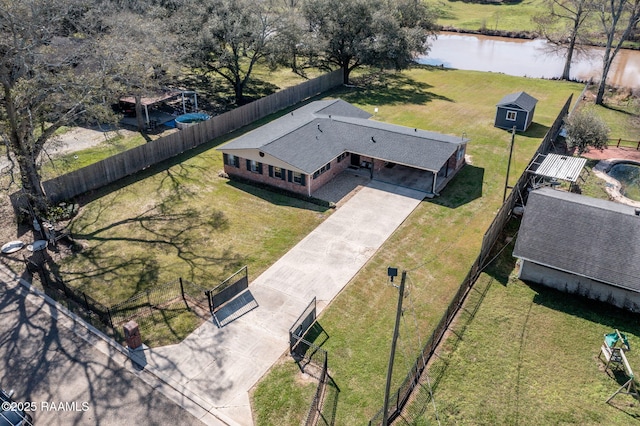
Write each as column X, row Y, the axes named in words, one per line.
column 529, row 356
column 181, row 221
column 499, row 16
column 436, row 244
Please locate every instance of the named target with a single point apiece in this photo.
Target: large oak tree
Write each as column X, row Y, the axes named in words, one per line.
column 60, row 65
column 51, row 76
column 382, row 33
column 228, row 38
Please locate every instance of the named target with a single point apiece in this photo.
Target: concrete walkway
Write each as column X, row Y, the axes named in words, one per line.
column 221, row 365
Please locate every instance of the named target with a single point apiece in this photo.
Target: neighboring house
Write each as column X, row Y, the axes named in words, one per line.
column 582, row 245
column 303, row 150
column 517, row 110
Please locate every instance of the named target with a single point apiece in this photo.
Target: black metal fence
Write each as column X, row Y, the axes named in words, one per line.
column 319, row 358
column 170, row 299
column 228, row 289
column 301, row 325
column 86, row 305
column 518, row 195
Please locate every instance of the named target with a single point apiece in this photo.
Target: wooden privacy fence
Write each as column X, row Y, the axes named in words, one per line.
column 139, row 158
column 399, row 399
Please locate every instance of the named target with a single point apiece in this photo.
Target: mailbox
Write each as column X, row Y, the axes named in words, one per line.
column 132, row 335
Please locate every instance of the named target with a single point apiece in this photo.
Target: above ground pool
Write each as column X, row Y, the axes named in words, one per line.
column 628, row 174
column 186, row 120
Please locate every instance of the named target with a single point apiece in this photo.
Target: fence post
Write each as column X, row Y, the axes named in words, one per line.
column 208, row 294
column 638, row 146
column 149, row 302
column 618, row 146
column 182, row 292
column 109, row 314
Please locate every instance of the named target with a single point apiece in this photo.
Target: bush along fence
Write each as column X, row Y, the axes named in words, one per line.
column 127, row 163
column 398, row 400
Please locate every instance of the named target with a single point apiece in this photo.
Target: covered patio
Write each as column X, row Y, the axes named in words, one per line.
column 159, row 108
column 551, row 169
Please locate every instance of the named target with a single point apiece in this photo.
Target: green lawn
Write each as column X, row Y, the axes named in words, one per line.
column 507, row 16
column 529, row 357
column 532, row 350
column 437, row 243
column 181, row 221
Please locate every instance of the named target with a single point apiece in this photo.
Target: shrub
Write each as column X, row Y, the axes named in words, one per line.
column 585, row 129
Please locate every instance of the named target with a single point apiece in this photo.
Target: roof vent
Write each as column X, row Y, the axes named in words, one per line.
column 373, row 140
column 415, row 130
column 319, row 127
column 637, row 212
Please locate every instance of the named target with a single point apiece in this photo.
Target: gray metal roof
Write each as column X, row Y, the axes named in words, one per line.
column 589, row 237
column 561, row 167
column 317, row 133
column 520, row 99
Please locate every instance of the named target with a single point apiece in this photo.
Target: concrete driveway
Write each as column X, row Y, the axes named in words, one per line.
column 221, row 365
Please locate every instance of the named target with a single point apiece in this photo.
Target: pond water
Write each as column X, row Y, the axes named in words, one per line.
column 530, row 58
column 628, row 174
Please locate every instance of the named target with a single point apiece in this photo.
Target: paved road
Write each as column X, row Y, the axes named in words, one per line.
column 221, row 365
column 47, row 363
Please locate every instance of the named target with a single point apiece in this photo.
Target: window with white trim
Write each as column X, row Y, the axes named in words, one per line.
column 297, row 178
column 511, row 115
column 277, row 172
column 321, row 170
column 232, row 160
column 254, row 166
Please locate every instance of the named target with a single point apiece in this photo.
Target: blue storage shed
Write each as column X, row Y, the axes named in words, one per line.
column 516, row 110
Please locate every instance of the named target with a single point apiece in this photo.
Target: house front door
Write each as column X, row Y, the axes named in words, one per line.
column 355, row 160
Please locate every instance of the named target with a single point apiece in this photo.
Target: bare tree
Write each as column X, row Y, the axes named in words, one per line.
column 619, row 18
column 563, row 27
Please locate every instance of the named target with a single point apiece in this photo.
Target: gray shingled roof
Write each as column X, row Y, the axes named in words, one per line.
column 594, row 238
column 520, row 99
column 316, row 133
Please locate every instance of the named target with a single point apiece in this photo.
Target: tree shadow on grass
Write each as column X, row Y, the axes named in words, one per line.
column 161, row 229
column 388, row 89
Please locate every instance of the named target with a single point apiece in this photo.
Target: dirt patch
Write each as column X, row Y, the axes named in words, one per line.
column 613, row 152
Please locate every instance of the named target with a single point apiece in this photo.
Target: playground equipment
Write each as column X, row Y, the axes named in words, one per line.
column 613, row 349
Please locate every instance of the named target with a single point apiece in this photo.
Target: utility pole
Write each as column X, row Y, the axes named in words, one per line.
column 385, row 409
column 506, row 182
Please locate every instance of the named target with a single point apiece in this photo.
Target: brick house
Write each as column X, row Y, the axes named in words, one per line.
column 305, row 149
